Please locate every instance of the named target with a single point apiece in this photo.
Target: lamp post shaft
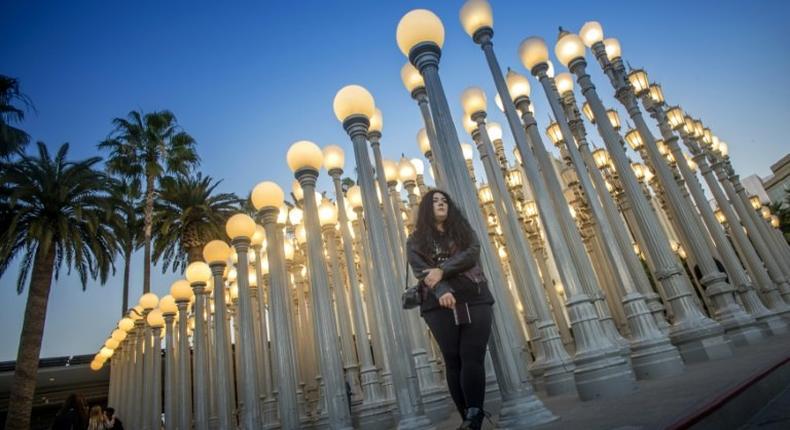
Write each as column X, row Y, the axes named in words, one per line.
column 737, row 194
column 350, row 362
column 374, row 306
column 552, row 362
column 171, row 387
column 421, row 96
column 148, row 363
column 324, row 325
column 258, row 295
column 519, row 403
column 184, row 378
column 284, row 358
column 249, row 398
column 223, row 370
column 652, row 353
column 590, row 335
column 739, row 325
column 619, row 230
column 773, row 301
column 201, row 388
column 155, row 417
column 404, row 379
column 368, row 373
column 690, row 326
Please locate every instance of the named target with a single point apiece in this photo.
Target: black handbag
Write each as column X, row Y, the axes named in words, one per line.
column 412, row 296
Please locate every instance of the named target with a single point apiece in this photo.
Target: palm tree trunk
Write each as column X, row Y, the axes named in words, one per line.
column 148, row 221
column 194, row 253
column 20, row 400
column 127, row 262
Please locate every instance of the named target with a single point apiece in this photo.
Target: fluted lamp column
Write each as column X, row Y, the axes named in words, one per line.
column 182, row 293
column 564, row 83
column 268, row 197
column 305, row 159
column 216, row 254
column 552, row 362
column 697, row 336
column 653, row 355
column 426, row 138
column 739, row 325
column 169, row 311
column 334, row 161
column 156, row 321
column 353, row 106
column 420, row 35
column 198, row 274
column 327, row 216
column 148, row 302
column 240, row 228
column 675, row 118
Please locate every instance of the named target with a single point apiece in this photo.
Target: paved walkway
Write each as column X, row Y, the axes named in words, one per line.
column 659, row 403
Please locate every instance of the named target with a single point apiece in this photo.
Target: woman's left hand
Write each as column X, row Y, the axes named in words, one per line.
column 433, row 277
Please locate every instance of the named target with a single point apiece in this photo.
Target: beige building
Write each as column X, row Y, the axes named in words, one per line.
column 777, row 183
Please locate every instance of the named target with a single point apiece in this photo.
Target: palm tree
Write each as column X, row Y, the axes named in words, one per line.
column 144, row 147
column 12, row 139
column 128, row 228
column 55, row 211
column 188, row 213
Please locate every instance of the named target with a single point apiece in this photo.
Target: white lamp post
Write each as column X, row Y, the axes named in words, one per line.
column 216, row 253
column 305, row 159
column 353, row 106
column 268, row 197
column 240, row 228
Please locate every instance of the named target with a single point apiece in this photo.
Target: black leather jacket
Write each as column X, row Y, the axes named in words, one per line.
column 464, row 262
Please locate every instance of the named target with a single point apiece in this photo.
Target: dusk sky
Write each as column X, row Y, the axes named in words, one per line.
column 247, row 79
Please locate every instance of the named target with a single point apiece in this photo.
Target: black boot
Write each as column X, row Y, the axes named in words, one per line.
column 473, row 420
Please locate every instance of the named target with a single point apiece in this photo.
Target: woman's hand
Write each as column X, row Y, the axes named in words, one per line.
column 433, row 277
column 447, row 300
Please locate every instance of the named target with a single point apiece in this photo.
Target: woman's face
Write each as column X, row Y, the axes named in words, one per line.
column 439, row 207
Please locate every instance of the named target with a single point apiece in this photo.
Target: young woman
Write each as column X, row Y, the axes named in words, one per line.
column 97, row 420
column 443, row 252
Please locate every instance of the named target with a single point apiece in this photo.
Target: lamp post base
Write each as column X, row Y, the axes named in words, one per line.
column 653, row 355
column 523, row 411
column 376, row 414
column 701, row 342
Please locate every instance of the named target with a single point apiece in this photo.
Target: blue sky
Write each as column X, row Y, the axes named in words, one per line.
column 247, row 79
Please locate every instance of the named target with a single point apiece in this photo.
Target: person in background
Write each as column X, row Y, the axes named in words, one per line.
column 73, row 415
column 113, row 422
column 96, row 419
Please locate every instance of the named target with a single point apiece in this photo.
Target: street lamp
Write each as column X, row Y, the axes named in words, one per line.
column 198, row 274
column 305, row 160
column 552, row 361
column 156, row 322
column 653, row 354
column 240, row 228
column 697, row 336
column 216, row 254
column 182, row 293
column 353, row 106
column 267, row 197
column 328, row 217
column 575, row 268
column 699, row 225
column 169, row 310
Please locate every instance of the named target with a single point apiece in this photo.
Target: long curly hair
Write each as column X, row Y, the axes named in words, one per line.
column 456, row 227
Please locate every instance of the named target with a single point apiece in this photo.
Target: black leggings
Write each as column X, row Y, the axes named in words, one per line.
column 464, row 349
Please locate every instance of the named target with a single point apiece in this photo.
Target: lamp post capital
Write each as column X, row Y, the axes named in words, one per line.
column 425, row 54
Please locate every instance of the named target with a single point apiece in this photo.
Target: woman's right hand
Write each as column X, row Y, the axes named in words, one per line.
column 447, row 300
